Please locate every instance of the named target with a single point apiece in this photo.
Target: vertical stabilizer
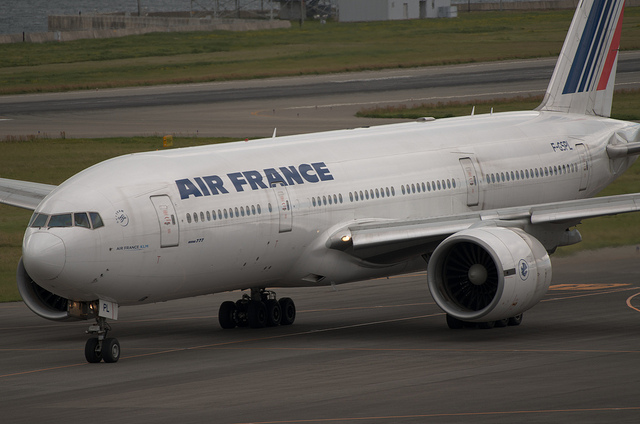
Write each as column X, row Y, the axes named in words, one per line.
column 583, row 79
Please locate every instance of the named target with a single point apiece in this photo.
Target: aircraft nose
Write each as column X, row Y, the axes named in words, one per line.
column 44, row 256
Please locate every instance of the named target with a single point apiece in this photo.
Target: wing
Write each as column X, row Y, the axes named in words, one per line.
column 23, row 194
column 389, row 241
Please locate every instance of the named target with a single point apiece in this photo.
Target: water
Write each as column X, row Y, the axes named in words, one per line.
column 17, row 16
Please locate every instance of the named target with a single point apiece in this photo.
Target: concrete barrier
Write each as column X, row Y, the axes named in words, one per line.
column 69, row 28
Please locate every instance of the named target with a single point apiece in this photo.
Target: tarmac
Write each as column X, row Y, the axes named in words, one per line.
column 376, row 352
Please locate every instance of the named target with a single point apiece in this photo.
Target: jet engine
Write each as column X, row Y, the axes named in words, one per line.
column 486, row 274
column 41, row 301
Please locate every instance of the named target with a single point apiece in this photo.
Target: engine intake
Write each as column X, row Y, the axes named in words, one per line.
column 42, row 302
column 488, row 273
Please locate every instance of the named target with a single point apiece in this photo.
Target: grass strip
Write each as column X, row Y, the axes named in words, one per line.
column 163, row 58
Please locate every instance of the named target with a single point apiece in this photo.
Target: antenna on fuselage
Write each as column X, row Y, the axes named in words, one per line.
column 274, row 133
column 473, row 111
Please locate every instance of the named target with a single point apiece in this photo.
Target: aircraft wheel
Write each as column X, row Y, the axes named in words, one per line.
column 288, row 311
column 111, row 350
column 274, row 313
column 257, row 312
column 454, row 323
column 517, row 320
column 502, row 322
column 226, row 315
column 487, row 325
column 92, row 352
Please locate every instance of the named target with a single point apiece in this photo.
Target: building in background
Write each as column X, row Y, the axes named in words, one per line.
column 384, row 10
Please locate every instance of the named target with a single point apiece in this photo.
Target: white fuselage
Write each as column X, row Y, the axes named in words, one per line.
column 225, row 224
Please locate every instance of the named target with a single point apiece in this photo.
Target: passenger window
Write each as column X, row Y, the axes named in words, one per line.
column 393, row 191
column 340, row 197
column 242, row 210
column 237, row 214
column 403, row 190
column 195, row 217
column 62, row 220
column 213, row 215
column 259, row 209
column 208, row 216
column 219, row 214
column 202, row 216
column 81, row 220
column 253, row 209
column 189, row 218
column 226, row 214
column 439, row 186
column 313, row 201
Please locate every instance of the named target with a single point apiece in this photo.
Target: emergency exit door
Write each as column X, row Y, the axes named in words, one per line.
column 471, row 178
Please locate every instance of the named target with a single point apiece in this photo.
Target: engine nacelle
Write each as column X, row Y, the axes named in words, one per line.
column 39, row 300
column 488, row 273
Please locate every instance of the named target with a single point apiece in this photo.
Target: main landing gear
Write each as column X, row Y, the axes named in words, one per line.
column 101, row 347
column 258, row 310
column 456, row 324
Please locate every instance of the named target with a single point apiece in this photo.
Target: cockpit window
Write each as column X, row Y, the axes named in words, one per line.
column 96, row 220
column 80, row 219
column 62, row 220
column 39, row 220
column 77, row 219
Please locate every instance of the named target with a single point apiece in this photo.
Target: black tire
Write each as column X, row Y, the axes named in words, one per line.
column 274, row 313
column 257, row 314
column 502, row 322
column 454, row 323
column 92, row 352
column 110, row 350
column 288, row 311
column 517, row 320
column 487, row 325
column 227, row 315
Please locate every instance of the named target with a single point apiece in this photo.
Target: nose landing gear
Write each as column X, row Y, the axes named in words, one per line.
column 101, row 347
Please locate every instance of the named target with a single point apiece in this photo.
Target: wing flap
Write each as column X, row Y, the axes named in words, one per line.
column 586, row 208
column 23, row 194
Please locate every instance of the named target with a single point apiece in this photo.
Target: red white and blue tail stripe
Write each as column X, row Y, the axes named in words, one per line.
column 584, row 75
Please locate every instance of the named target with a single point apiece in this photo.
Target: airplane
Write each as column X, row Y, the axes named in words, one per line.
column 478, row 201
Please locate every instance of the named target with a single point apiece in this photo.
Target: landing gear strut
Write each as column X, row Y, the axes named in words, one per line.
column 101, row 347
column 455, row 324
column 258, row 310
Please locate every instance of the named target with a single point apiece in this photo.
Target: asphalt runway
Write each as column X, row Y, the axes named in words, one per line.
column 256, row 108
column 372, row 352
